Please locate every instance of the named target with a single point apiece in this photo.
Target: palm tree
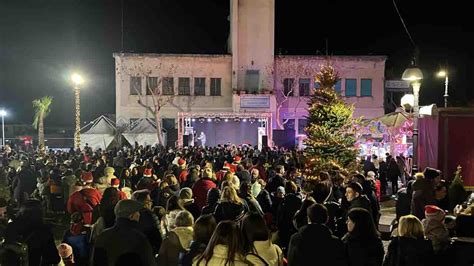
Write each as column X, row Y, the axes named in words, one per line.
column 41, row 112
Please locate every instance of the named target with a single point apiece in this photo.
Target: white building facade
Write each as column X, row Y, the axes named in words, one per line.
column 250, row 79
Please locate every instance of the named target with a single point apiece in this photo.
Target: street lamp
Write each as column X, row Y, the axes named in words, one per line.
column 444, row 74
column 407, row 101
column 3, row 113
column 414, row 76
column 77, row 80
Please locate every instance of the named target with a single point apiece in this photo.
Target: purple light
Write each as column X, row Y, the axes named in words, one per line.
column 244, row 120
column 209, row 120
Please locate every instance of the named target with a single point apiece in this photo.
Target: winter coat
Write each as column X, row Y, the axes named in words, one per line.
column 23, row 184
column 195, row 249
column 423, row 194
column 122, row 239
column 361, row 202
column 253, row 205
column 275, row 182
column 437, row 232
column 178, row 241
column 265, row 253
column 363, row 252
column 290, row 205
column 68, row 183
column 229, row 211
column 315, row 243
column 200, row 189
column 244, row 176
column 264, row 200
column 39, row 239
column 405, row 251
column 149, row 226
column 84, row 201
column 461, row 251
column 219, row 258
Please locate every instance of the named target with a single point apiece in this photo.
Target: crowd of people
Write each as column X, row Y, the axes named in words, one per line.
column 224, row 205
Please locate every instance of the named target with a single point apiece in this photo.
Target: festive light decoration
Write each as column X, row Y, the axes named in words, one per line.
column 331, row 129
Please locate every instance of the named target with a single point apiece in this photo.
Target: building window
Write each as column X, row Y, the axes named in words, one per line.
column 366, row 87
column 288, row 89
column 168, row 86
column 152, row 85
column 337, row 86
column 351, row 88
column 168, row 123
column 301, row 125
column 183, row 86
column 290, row 124
column 215, row 86
column 199, row 86
column 304, row 87
column 252, row 79
column 135, row 85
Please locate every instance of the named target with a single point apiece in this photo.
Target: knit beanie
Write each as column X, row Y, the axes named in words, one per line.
column 434, row 212
column 65, row 251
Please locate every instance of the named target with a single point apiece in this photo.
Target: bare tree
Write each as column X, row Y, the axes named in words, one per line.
column 290, row 72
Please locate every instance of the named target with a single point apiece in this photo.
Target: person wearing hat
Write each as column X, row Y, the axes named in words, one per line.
column 84, row 200
column 435, row 229
column 65, row 252
column 187, row 201
column 423, row 192
column 356, row 198
column 123, row 239
column 115, row 183
column 182, row 172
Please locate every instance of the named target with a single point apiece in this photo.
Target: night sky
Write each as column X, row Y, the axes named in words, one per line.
column 41, row 42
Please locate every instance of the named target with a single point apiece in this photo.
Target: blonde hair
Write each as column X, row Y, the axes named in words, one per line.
column 419, row 176
column 229, row 194
column 410, row 226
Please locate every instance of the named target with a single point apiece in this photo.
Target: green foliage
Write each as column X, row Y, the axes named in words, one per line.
column 457, row 193
column 331, row 133
column 42, row 109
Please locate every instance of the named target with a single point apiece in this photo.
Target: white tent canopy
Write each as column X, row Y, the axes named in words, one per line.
column 98, row 133
column 142, row 131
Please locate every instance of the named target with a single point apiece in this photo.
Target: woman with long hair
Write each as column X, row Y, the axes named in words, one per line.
column 203, row 229
column 230, row 207
column 225, row 247
column 410, row 246
column 257, row 242
column 362, row 241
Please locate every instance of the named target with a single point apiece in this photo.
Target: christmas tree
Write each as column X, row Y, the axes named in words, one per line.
column 331, row 132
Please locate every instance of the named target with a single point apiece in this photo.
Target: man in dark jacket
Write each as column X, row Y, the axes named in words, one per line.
column 124, row 239
column 278, row 180
column 148, row 222
column 315, row 242
column 356, row 199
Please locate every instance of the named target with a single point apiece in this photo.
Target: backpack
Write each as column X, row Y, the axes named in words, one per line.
column 15, row 253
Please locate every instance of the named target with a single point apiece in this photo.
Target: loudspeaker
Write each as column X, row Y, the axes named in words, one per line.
column 264, row 141
column 185, row 140
column 171, row 137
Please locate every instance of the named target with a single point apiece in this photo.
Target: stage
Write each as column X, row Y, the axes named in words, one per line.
column 222, row 128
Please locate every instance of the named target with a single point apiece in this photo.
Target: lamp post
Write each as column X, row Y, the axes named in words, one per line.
column 3, row 113
column 77, row 80
column 444, row 74
column 414, row 76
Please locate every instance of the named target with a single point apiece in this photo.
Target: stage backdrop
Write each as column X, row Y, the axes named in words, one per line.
column 223, row 132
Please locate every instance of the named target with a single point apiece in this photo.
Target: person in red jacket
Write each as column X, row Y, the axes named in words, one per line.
column 115, row 182
column 85, row 200
column 201, row 187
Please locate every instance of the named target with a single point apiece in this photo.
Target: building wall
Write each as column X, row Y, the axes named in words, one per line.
column 252, row 41
column 348, row 67
column 176, row 66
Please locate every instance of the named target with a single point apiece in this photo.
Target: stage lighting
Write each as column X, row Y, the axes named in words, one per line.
column 194, row 119
column 251, row 120
column 209, row 120
column 201, row 119
column 244, row 120
column 226, row 120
